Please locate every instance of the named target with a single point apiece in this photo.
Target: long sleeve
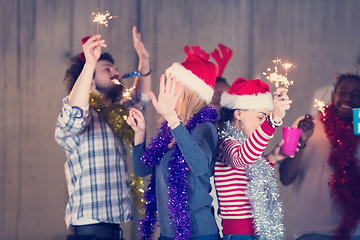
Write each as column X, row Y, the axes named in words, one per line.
column 140, row 169
column 198, row 147
column 70, row 124
column 231, row 180
column 237, row 155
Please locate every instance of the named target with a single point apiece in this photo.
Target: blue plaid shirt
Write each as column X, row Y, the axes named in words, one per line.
column 96, row 173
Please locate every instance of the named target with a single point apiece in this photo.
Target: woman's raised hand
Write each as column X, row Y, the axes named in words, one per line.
column 169, row 94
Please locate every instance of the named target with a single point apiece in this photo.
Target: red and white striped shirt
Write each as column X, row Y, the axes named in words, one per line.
column 231, row 180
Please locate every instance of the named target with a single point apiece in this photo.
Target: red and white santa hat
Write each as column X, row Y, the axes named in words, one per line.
column 247, row 94
column 197, row 74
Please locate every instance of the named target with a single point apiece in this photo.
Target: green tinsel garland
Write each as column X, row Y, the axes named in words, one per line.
column 114, row 115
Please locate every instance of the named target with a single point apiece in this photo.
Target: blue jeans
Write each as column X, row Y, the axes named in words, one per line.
column 239, row 237
column 315, row 236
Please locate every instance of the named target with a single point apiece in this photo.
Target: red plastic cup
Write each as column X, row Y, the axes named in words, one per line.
column 291, row 138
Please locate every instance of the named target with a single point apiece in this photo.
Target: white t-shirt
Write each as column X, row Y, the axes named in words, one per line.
column 314, row 209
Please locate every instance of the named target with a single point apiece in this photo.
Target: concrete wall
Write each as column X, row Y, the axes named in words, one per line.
column 39, row 36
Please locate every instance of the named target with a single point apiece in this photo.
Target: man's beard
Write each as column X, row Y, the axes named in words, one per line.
column 113, row 92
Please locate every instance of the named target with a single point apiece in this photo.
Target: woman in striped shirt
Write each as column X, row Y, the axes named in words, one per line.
column 244, row 180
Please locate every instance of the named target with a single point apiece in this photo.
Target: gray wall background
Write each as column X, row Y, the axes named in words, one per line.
column 321, row 37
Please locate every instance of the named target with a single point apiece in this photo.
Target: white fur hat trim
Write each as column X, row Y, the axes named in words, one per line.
column 191, row 81
column 259, row 101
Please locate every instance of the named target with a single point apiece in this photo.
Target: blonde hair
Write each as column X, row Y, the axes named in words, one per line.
column 191, row 104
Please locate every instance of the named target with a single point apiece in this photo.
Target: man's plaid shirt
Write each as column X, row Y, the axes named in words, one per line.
column 96, row 173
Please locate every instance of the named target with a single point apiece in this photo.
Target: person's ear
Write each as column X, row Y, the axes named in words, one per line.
column 237, row 114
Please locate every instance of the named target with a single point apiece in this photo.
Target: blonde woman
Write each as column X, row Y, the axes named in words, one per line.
column 181, row 158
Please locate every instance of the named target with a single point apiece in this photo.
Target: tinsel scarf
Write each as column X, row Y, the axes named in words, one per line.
column 178, row 168
column 113, row 114
column 262, row 191
column 345, row 178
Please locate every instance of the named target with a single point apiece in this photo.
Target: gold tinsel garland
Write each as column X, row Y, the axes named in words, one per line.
column 138, row 188
column 114, row 115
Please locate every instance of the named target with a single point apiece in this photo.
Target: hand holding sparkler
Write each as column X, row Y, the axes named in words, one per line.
column 307, row 125
column 320, row 105
column 92, row 49
column 281, row 104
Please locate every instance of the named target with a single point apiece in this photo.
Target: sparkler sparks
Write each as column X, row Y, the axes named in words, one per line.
column 320, row 105
column 287, row 65
column 127, row 93
column 102, row 18
column 278, row 78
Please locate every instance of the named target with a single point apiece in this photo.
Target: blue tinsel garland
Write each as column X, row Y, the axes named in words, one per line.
column 178, row 168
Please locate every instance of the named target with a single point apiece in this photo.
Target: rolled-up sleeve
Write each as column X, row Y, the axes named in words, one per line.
column 70, row 124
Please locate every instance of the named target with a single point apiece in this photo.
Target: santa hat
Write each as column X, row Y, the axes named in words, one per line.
column 197, row 74
column 83, row 41
column 247, row 94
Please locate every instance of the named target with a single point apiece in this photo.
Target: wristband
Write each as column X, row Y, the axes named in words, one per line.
column 144, row 75
column 272, row 122
column 173, row 123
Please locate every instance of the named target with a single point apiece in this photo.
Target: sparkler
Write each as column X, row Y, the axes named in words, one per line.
column 276, row 76
column 102, row 18
column 320, row 105
column 127, row 93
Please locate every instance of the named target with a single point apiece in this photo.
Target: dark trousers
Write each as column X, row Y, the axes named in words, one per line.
column 99, row 231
